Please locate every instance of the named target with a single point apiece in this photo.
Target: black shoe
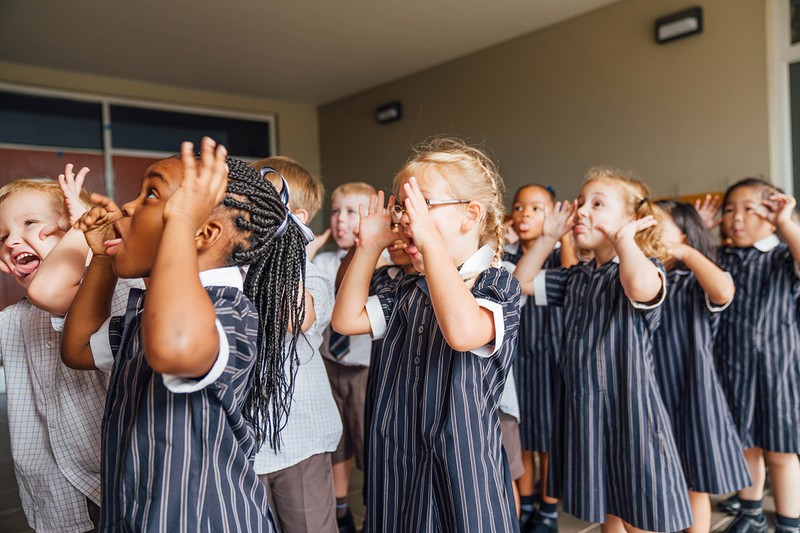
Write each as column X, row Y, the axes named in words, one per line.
column 346, row 524
column 745, row 523
column 544, row 524
column 730, row 506
column 526, row 519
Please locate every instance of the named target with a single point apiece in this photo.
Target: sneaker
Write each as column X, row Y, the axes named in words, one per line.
column 745, row 523
column 730, row 506
column 544, row 524
column 346, row 523
column 526, row 519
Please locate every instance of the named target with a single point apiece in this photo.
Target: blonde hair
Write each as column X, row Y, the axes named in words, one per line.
column 477, row 180
column 307, row 191
column 354, row 188
column 46, row 186
column 636, row 200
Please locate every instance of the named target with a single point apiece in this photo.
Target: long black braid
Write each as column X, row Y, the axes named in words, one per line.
column 275, row 279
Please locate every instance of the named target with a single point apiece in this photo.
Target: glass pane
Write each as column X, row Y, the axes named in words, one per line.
column 42, row 121
column 795, row 22
column 794, row 96
column 163, row 131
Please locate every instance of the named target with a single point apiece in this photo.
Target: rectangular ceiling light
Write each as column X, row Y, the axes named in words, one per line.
column 679, row 25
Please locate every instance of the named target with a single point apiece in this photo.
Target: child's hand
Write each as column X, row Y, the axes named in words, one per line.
column 423, row 230
column 73, row 208
column 511, row 236
column 97, row 223
column 375, row 224
column 313, row 248
column 627, row 231
column 678, row 250
column 779, row 209
column 560, row 220
column 202, row 189
column 708, row 210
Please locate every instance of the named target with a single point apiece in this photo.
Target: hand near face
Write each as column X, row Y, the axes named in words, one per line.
column 71, row 185
column 627, row 231
column 375, row 223
column 560, row 220
column 202, row 188
column 421, row 226
column 708, row 210
column 779, row 209
column 97, row 223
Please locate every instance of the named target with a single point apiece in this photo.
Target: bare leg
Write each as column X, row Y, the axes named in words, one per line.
column 613, row 524
column 784, row 471
column 755, row 463
column 701, row 509
column 544, row 465
column 516, row 496
column 341, row 478
column 528, row 479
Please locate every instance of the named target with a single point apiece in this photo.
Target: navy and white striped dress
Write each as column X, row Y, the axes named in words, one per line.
column 535, row 366
column 181, row 462
column 436, row 459
column 758, row 346
column 613, row 450
column 711, row 452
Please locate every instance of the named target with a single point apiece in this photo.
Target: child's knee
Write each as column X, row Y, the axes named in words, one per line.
column 780, row 459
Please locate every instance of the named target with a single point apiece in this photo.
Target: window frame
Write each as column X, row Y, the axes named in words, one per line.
column 108, row 151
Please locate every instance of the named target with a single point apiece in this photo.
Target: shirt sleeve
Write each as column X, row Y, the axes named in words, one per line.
column 321, row 289
column 550, row 286
column 499, row 292
column 105, row 342
column 182, row 385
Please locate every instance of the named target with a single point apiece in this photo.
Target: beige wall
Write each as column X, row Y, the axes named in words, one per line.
column 688, row 116
column 297, row 131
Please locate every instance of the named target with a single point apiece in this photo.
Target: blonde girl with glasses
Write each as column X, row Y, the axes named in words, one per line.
column 435, row 456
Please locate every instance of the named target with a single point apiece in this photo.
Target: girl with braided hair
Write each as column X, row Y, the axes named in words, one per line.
column 435, row 459
column 197, row 363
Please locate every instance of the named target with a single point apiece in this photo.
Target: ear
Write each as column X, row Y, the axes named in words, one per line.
column 302, row 215
column 472, row 216
column 208, row 235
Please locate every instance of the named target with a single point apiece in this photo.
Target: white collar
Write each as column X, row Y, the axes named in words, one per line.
column 767, row 243
column 222, row 277
column 616, row 259
column 478, row 262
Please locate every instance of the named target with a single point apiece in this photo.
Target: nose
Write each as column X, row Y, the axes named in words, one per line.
column 129, row 208
column 583, row 211
column 14, row 238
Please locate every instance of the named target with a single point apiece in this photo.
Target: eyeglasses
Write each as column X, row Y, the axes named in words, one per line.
column 398, row 210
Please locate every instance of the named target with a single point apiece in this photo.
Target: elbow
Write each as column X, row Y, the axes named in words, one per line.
column 723, row 296
column 180, row 355
column 44, row 297
column 339, row 324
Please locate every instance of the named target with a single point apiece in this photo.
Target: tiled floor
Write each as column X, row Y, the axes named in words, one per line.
column 12, row 519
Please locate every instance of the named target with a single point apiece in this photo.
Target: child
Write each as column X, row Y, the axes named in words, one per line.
column 710, row 450
column 53, row 411
column 535, row 367
column 614, row 458
column 298, row 474
column 435, row 456
column 758, row 346
column 194, row 364
column 346, row 358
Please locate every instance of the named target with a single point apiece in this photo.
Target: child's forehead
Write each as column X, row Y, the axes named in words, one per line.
column 533, row 194
column 350, row 199
column 28, row 199
column 746, row 193
column 167, row 170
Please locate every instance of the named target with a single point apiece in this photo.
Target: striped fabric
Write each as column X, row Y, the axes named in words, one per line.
column 709, row 447
column 535, row 370
column 181, row 462
column 758, row 346
column 613, row 450
column 436, row 462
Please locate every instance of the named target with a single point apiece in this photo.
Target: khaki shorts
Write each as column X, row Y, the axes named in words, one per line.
column 509, row 428
column 349, row 387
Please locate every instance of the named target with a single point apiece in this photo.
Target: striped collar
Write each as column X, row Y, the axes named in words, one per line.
column 222, row 277
column 767, row 243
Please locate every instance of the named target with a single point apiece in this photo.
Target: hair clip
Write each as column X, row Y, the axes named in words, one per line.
column 308, row 235
column 551, row 190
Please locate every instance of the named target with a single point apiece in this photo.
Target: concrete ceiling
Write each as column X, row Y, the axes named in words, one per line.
column 309, row 51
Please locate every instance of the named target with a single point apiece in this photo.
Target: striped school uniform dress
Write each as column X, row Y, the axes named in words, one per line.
column 711, row 452
column 613, row 450
column 436, row 460
column 175, row 460
column 535, row 366
column 758, row 345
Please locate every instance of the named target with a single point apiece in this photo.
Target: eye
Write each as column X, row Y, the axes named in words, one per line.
column 3, row 238
column 537, row 209
column 728, row 209
column 31, row 221
column 151, row 193
column 597, row 203
column 518, row 208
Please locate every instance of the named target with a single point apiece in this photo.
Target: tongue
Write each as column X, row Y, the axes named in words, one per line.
column 27, row 268
column 524, row 227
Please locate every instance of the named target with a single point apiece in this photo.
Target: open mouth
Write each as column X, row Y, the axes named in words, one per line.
column 26, row 264
column 112, row 245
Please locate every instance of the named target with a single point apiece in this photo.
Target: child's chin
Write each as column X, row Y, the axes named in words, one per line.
column 345, row 243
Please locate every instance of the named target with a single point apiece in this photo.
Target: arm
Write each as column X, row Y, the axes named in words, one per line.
column 179, row 330
column 556, row 226
column 349, row 312
column 91, row 305
column 465, row 325
column 60, row 274
column 716, row 283
column 343, row 266
column 639, row 277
